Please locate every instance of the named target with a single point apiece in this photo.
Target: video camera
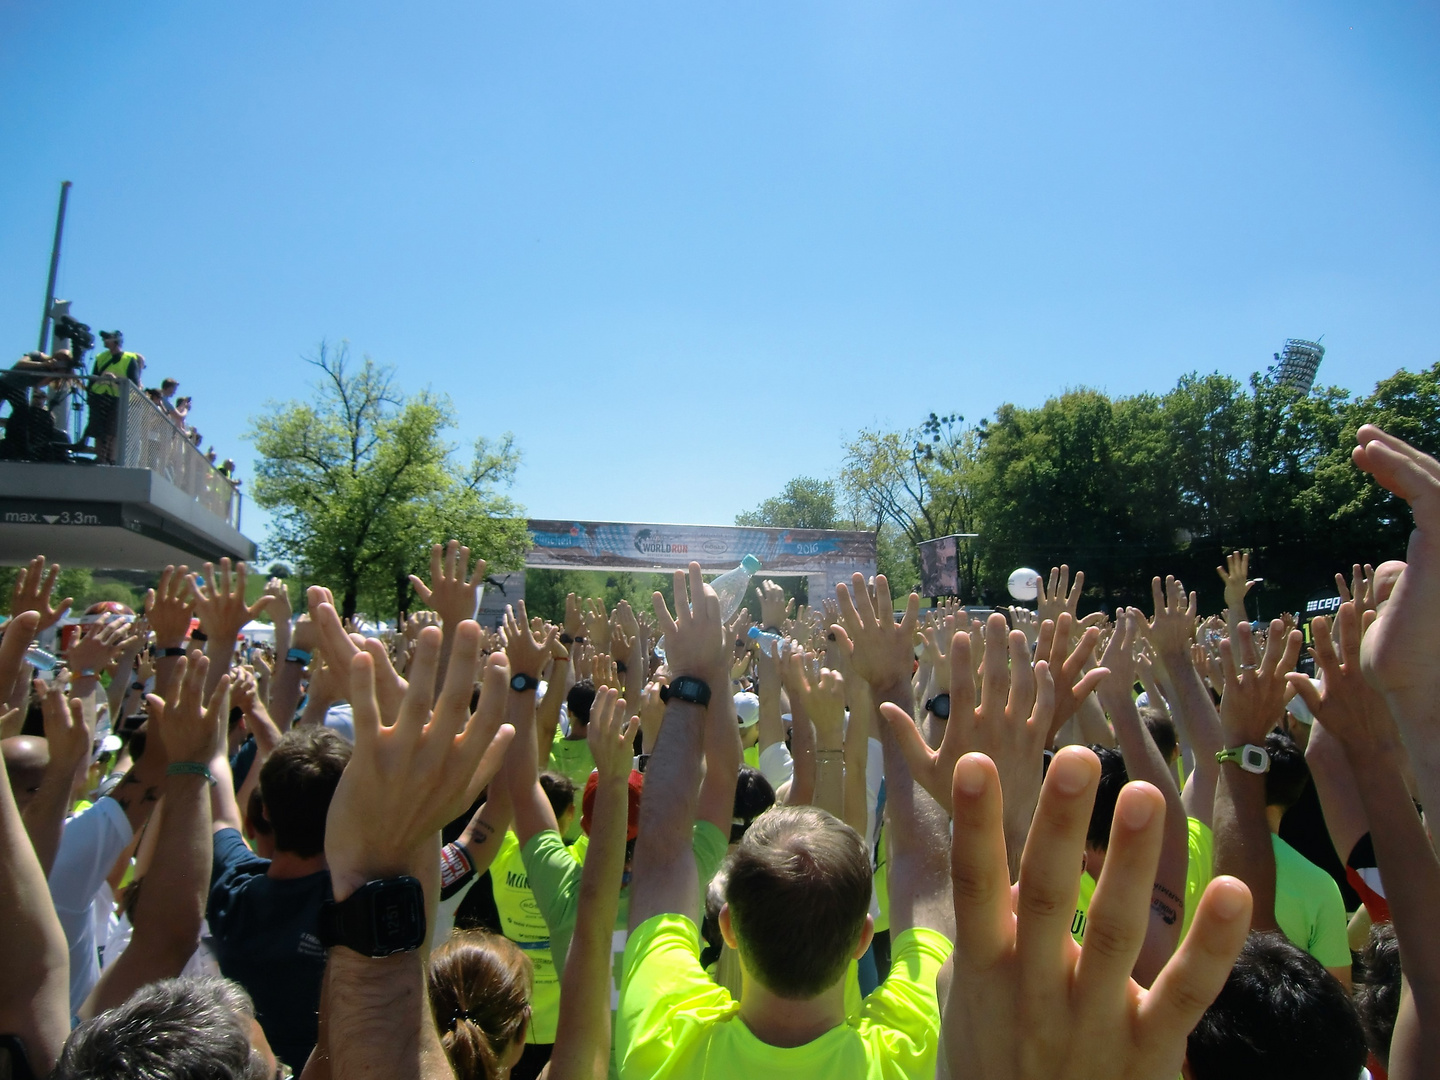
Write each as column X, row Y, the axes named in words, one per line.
column 77, row 333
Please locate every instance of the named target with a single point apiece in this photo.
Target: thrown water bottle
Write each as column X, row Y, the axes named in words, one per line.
column 730, row 588
column 43, row 659
column 770, row 642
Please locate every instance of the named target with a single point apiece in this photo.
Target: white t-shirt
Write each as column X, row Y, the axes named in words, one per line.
column 89, row 846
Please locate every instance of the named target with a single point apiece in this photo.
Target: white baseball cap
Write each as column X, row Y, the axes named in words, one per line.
column 747, row 709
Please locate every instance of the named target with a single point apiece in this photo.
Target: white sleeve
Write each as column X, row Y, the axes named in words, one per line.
column 776, row 764
column 874, row 777
column 89, row 846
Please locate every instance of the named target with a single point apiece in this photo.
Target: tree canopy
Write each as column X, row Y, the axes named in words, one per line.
column 360, row 482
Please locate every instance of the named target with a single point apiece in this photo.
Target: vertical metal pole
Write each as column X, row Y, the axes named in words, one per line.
column 54, row 265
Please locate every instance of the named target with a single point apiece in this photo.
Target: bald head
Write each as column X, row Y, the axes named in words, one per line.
column 25, row 761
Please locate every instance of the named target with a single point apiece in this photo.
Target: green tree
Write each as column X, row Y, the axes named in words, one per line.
column 806, row 503
column 360, row 482
column 922, row 483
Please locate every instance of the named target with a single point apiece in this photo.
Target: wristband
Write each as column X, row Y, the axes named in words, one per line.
column 199, row 635
column 87, row 673
column 137, row 686
column 297, row 656
column 620, row 667
column 454, row 864
column 190, row 768
column 172, row 650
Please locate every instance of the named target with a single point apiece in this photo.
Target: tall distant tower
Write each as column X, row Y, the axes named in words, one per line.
column 1296, row 366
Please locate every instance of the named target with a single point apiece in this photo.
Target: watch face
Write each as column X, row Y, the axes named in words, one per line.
column 522, row 682
column 1254, row 759
column 940, row 706
column 399, row 917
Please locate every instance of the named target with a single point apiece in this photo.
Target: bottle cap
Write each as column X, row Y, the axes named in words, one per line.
column 750, row 563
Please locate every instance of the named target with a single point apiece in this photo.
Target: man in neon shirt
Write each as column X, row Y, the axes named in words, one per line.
column 797, row 889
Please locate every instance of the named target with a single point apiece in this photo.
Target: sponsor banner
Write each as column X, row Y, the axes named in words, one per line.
column 631, row 545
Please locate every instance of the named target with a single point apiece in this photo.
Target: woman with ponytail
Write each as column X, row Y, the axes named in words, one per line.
column 480, row 985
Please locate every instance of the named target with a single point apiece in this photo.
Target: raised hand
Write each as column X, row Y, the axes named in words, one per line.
column 525, row 653
column 883, row 650
column 1011, row 725
column 281, row 610
column 597, row 624
column 33, row 587
column 14, row 644
column 339, row 649
column 1254, row 697
column 106, row 639
column 1072, row 682
column 169, row 607
column 774, row 608
column 1347, row 706
column 1027, row 1002
column 414, row 767
column 1059, row 596
column 191, row 728
column 574, row 621
column 454, row 589
column 695, row 636
column 610, row 736
column 1172, row 630
column 220, row 603
column 1235, row 574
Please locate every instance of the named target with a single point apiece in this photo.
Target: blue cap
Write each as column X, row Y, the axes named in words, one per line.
column 750, row 563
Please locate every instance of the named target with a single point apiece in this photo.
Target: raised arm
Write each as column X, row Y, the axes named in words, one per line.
column 1253, row 701
column 1015, row 961
column 220, row 603
column 526, row 656
column 1236, row 576
column 35, row 990
column 453, row 592
column 1357, row 719
column 883, row 651
column 665, row 877
column 1144, row 762
column 168, row 609
column 582, row 1040
column 68, row 740
column 414, row 769
column 1172, row 632
column 170, row 910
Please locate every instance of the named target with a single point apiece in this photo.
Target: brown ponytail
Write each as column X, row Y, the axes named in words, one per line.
column 480, row 986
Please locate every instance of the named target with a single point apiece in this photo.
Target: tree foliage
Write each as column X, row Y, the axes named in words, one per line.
column 1129, row 487
column 806, row 503
column 360, row 482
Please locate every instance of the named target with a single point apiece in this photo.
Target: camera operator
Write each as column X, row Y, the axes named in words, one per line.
column 111, row 367
column 30, row 432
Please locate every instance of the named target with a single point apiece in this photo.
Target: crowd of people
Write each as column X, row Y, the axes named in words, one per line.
column 864, row 842
column 33, row 387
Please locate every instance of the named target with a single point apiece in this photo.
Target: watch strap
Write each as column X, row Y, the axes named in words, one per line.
column 190, row 768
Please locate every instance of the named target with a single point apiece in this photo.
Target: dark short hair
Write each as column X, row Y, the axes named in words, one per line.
column 798, row 887
column 297, row 783
column 174, row 1029
column 580, row 699
column 1113, row 777
column 1280, row 1016
column 1161, row 728
column 753, row 796
column 560, row 790
column 1377, row 989
column 1288, row 776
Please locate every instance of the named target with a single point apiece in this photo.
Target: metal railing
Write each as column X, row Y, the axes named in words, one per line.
column 148, row 440
column 141, row 437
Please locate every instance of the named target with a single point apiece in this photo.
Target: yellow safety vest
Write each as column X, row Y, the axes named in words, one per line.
column 108, row 363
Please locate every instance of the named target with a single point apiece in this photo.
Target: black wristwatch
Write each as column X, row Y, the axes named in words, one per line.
column 939, row 705
column 686, row 688
column 380, row 918
column 566, row 639
column 520, row 682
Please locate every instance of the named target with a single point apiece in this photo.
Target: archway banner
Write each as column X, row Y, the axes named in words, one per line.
column 603, row 545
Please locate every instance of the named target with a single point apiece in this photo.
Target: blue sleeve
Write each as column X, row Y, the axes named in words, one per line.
column 241, row 764
column 233, row 864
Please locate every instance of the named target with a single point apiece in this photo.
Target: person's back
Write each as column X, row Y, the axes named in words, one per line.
column 797, row 891
column 264, row 914
column 1280, row 1016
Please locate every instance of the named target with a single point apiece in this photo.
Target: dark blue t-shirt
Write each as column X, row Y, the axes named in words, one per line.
column 266, row 939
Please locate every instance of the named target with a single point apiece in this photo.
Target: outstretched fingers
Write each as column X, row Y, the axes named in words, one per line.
column 979, row 872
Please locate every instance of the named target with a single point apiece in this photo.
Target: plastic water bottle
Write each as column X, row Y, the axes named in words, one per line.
column 730, row 588
column 43, row 659
column 768, row 640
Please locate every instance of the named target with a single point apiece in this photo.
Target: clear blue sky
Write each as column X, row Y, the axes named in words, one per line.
column 684, row 250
